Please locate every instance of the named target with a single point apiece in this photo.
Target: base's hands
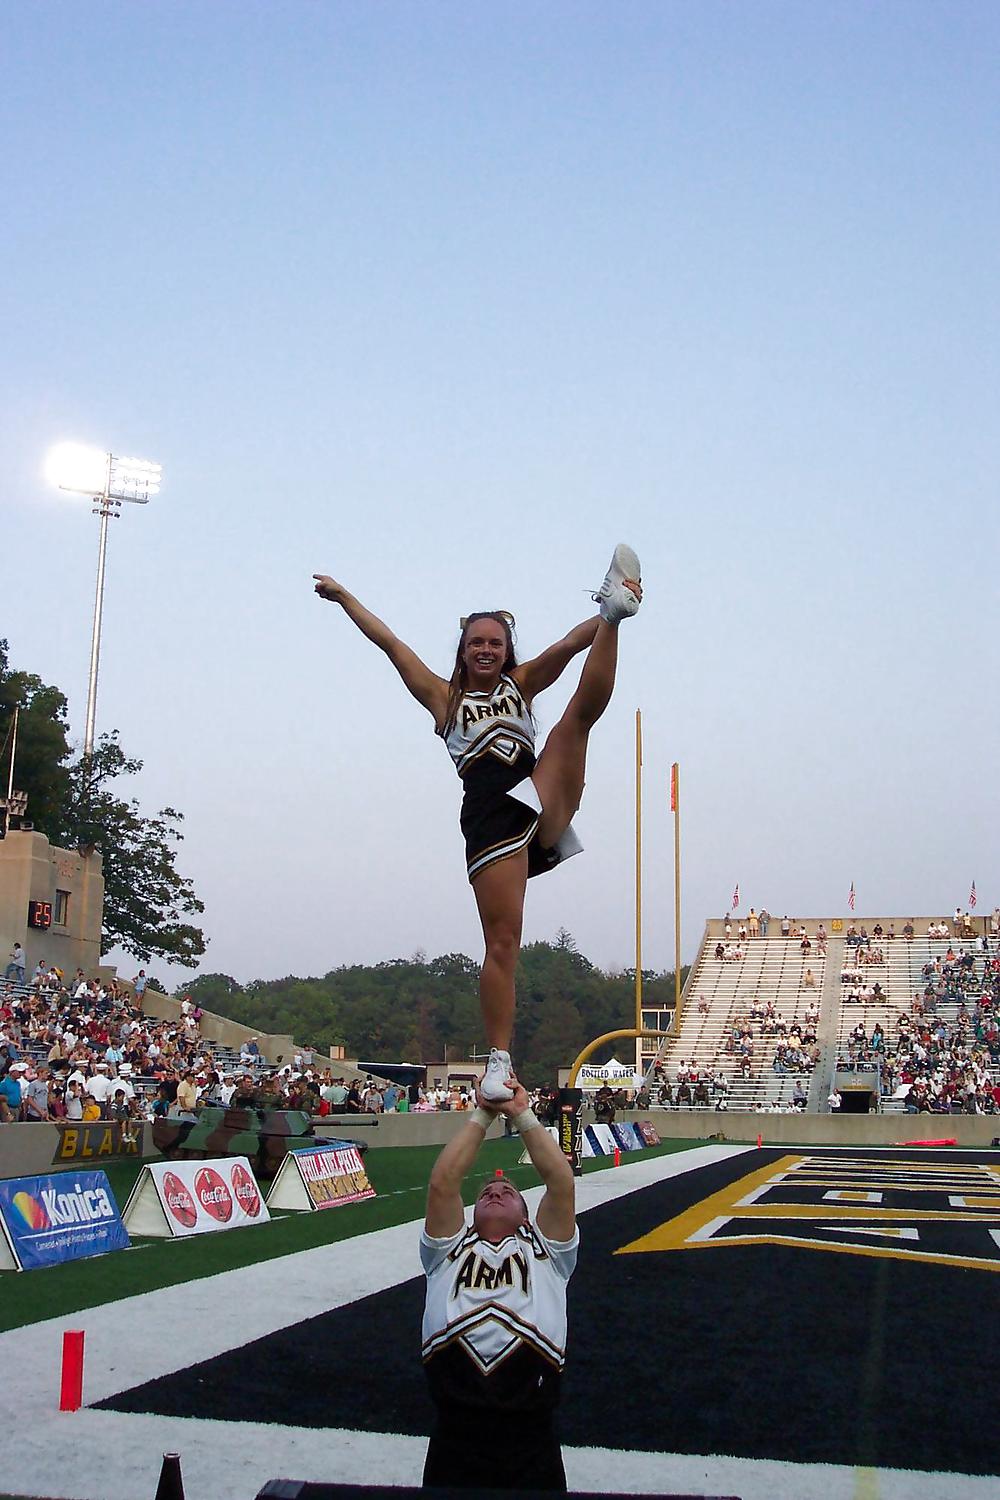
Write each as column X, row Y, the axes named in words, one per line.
column 520, row 1101
column 490, row 1105
column 328, row 588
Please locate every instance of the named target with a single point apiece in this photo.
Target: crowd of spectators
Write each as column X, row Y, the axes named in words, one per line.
column 83, row 1049
column 944, row 1056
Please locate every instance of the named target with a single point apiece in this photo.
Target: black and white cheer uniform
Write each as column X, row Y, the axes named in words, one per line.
column 494, row 1345
column 492, row 743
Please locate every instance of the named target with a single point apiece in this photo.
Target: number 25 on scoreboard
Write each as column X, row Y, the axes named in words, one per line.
column 39, row 913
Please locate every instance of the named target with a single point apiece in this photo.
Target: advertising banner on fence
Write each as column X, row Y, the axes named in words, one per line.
column 321, row 1177
column 626, row 1135
column 194, row 1197
column 65, row 1216
column 615, row 1074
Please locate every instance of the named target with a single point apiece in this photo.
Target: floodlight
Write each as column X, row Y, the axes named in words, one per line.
column 74, row 466
column 108, row 480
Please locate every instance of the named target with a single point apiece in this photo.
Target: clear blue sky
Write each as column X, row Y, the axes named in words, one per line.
column 447, row 298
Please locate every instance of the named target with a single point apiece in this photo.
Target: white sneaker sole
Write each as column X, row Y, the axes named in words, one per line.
column 618, row 602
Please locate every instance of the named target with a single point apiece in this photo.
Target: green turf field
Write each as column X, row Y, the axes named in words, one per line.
column 399, row 1176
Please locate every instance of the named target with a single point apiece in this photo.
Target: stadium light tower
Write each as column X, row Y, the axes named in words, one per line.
column 108, row 481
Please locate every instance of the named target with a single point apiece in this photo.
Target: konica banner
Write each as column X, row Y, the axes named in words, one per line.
column 194, row 1197
column 64, row 1216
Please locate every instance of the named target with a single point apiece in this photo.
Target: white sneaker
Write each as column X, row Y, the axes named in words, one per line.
column 617, row 602
column 494, row 1085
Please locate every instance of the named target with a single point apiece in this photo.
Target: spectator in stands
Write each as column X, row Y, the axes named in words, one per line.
column 800, row 1094
column 835, row 1100
column 720, row 950
column 809, row 979
column 10, row 1093
column 98, row 1087
column 15, row 969
column 754, row 923
column 35, row 1100
column 666, row 1095
column 702, row 1006
column 373, row 1103
column 187, row 1093
column 764, row 919
column 786, row 926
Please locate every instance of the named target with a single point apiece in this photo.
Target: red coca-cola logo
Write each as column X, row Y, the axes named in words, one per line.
column 246, row 1192
column 213, row 1195
column 179, row 1201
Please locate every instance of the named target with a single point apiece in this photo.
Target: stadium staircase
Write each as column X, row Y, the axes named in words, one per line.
column 770, row 968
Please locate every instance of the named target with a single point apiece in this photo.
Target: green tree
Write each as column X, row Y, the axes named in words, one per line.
column 145, row 898
column 40, row 767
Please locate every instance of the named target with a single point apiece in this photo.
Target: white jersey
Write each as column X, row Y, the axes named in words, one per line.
column 495, row 1300
column 496, row 723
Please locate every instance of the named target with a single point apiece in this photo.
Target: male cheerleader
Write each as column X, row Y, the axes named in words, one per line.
column 494, row 1330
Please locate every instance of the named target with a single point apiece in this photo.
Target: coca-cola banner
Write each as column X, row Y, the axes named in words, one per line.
column 195, row 1197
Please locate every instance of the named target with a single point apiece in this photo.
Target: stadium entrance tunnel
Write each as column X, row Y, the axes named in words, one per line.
column 857, row 1099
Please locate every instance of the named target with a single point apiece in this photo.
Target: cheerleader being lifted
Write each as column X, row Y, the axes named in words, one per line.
column 517, row 808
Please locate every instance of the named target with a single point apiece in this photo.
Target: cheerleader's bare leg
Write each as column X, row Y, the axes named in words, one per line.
column 559, row 774
column 499, row 892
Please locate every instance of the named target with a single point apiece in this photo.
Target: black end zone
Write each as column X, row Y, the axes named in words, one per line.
column 753, row 1350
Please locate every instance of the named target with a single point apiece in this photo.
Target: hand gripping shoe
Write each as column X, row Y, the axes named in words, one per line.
column 617, row 602
column 494, row 1085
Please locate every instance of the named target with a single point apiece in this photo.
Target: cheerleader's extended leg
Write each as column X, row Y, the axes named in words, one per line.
column 559, row 774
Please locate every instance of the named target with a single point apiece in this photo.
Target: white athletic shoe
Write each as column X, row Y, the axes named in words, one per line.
column 494, row 1085
column 617, row 602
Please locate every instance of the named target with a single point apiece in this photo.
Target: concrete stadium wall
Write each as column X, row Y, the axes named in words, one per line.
column 971, row 1131
column 715, row 927
column 32, row 869
column 32, row 1150
column 26, row 1150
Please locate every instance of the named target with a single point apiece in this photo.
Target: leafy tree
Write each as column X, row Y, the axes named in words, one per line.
column 72, row 801
column 145, row 899
column 40, row 767
column 414, row 1008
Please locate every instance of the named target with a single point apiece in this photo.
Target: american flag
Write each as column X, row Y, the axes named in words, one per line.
column 736, row 897
column 972, row 896
column 850, row 899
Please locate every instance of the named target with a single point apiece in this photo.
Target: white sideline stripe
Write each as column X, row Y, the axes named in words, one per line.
column 44, row 1451
column 232, row 1460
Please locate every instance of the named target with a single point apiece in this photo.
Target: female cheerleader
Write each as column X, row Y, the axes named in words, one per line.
column 516, row 810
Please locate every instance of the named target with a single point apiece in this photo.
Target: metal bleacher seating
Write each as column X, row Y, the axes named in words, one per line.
column 770, row 968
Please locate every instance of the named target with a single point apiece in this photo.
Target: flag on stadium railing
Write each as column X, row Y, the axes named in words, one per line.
column 673, row 787
column 850, row 899
column 736, row 897
column 972, row 895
